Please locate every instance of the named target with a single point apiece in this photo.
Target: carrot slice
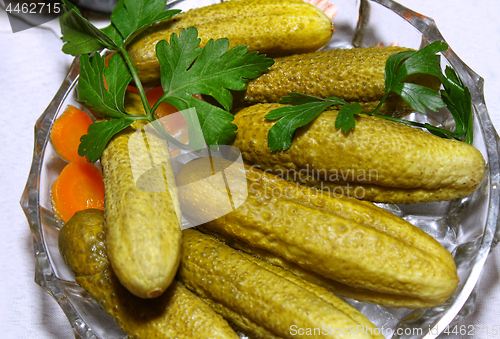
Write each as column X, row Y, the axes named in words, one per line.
column 131, row 88
column 67, row 131
column 165, row 109
column 153, row 95
column 78, row 187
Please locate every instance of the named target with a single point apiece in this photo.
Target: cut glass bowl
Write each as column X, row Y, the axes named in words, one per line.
column 467, row 227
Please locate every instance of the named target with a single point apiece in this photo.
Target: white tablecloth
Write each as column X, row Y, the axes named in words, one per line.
column 31, row 70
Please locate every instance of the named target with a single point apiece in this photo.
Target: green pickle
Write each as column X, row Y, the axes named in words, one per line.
column 141, row 212
column 379, row 160
column 326, row 239
column 355, row 75
column 274, row 28
column 262, row 300
column 176, row 314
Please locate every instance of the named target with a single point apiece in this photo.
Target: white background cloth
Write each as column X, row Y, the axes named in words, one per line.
column 31, row 70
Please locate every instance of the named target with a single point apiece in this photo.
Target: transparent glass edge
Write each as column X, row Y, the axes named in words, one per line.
column 437, row 323
column 44, row 273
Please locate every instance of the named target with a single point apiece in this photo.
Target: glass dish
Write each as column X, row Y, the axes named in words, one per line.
column 466, row 227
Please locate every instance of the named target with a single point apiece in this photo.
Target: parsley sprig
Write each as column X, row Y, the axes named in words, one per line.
column 186, row 70
column 455, row 96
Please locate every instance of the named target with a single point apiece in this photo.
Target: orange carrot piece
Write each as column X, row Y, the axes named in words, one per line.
column 78, row 187
column 67, row 131
column 153, row 95
column 131, row 88
column 165, row 109
column 106, row 59
column 106, row 64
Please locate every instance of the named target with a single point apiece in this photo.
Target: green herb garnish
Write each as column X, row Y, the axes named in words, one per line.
column 455, row 96
column 186, row 70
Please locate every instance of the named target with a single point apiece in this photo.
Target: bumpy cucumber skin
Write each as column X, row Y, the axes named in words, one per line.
column 260, row 299
column 274, row 28
column 177, row 314
column 334, row 237
column 142, row 228
column 382, row 161
column 336, row 287
column 355, row 75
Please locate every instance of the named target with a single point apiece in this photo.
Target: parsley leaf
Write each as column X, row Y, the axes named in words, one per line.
column 345, row 119
column 98, row 135
column 424, row 61
column 419, row 97
column 391, row 67
column 187, row 70
column 458, row 100
column 308, row 108
column 130, row 17
column 455, row 96
column 92, row 91
column 113, row 34
column 79, row 35
column 292, row 117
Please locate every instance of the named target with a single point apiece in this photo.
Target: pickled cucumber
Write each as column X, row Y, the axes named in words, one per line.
column 279, row 27
column 177, row 314
column 264, row 301
column 142, row 217
column 380, row 160
column 355, row 75
column 333, row 237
